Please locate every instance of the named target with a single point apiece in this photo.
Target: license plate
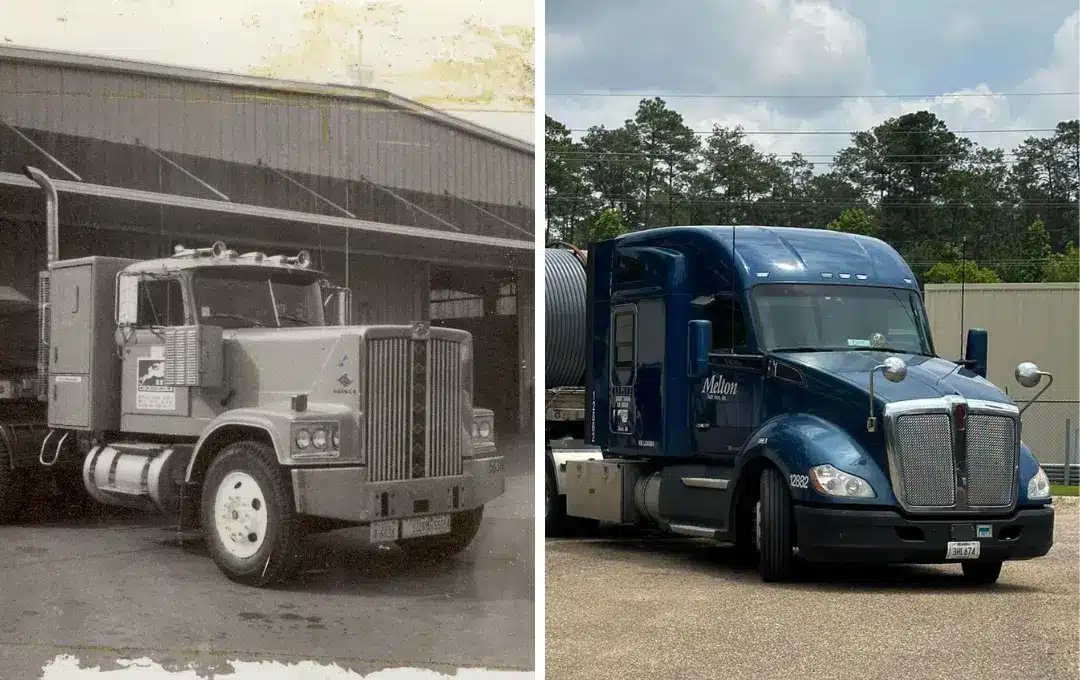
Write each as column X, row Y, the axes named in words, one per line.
column 384, row 531
column 425, row 526
column 962, row 550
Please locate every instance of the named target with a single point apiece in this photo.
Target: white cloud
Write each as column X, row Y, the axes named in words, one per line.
column 822, row 28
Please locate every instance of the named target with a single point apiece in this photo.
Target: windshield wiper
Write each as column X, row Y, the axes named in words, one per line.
column 238, row 317
column 295, row 318
column 888, row 349
column 809, row 349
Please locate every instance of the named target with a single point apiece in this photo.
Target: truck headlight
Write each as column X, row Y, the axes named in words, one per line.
column 303, row 439
column 483, row 425
column 318, row 437
column 1039, row 486
column 829, row 481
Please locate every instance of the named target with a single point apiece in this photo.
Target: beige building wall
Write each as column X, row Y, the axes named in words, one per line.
column 1037, row 322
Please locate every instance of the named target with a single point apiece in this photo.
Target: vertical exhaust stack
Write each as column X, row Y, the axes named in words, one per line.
column 52, row 213
column 52, row 253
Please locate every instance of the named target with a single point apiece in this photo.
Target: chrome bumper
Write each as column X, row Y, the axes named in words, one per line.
column 344, row 493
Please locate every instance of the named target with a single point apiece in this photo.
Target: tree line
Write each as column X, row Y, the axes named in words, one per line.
column 956, row 210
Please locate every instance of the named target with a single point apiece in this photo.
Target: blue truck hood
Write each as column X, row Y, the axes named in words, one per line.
column 927, row 377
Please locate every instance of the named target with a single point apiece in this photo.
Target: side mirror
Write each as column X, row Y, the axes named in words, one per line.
column 978, row 340
column 1030, row 375
column 699, row 342
column 895, row 370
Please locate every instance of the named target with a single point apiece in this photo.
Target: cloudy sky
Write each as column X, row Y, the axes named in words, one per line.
column 783, row 50
column 472, row 58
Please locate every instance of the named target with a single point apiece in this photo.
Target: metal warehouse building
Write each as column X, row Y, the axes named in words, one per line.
column 423, row 215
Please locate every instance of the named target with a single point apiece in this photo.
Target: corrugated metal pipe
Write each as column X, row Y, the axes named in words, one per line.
column 567, row 336
column 52, row 213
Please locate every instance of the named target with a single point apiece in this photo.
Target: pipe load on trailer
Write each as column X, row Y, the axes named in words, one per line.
column 564, row 286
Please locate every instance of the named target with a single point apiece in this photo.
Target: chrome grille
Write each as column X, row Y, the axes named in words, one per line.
column 445, row 430
column 386, row 423
column 414, row 424
column 925, row 458
column 991, row 459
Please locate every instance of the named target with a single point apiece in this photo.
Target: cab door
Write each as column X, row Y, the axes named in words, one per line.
column 727, row 401
column 148, row 305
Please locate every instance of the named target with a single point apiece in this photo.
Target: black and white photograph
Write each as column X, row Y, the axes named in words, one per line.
column 266, row 347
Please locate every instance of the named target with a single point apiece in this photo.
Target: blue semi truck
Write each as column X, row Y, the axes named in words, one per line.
column 778, row 389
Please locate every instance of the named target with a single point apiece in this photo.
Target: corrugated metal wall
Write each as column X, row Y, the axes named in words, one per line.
column 335, row 137
column 1026, row 322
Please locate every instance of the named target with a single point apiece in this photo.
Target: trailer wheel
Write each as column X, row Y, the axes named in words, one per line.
column 982, row 573
column 9, row 486
column 463, row 529
column 774, row 527
column 248, row 516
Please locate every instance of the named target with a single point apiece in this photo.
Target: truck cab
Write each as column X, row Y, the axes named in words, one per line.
column 213, row 387
column 778, row 388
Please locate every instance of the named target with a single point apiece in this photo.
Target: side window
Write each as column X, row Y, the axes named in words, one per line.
column 624, row 336
column 161, row 303
column 728, row 326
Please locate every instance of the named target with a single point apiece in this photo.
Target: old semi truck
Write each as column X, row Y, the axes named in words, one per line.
column 778, row 389
column 212, row 386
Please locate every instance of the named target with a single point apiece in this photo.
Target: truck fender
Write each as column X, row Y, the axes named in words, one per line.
column 794, row 443
column 262, row 423
column 1029, row 467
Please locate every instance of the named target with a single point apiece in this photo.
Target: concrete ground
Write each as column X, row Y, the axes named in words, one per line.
column 118, row 585
column 623, row 607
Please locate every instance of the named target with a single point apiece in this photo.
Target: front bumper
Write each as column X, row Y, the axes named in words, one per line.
column 344, row 493
column 845, row 535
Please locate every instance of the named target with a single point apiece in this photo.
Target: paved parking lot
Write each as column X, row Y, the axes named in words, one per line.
column 623, row 607
column 118, row 586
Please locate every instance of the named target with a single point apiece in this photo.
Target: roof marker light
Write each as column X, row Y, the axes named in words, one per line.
column 763, row 275
column 826, row 275
column 861, row 277
column 845, row 276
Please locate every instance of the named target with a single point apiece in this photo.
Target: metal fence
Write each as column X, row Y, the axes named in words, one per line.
column 1051, row 429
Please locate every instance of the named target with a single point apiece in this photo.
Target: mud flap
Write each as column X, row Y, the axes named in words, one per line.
column 188, row 514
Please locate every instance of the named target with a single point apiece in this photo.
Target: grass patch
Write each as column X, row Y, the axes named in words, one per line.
column 1058, row 490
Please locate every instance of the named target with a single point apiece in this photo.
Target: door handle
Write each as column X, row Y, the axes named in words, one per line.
column 55, row 354
column 55, row 392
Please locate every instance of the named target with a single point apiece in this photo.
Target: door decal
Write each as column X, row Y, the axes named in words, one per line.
column 718, row 388
column 151, row 393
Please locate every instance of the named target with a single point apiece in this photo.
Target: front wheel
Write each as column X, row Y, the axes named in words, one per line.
column 251, row 527
column 774, row 527
column 463, row 529
column 981, row 572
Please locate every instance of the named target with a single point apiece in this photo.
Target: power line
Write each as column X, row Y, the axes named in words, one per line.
column 703, row 95
column 658, row 154
column 813, row 202
column 781, row 133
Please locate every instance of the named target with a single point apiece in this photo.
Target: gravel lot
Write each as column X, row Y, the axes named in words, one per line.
column 117, row 585
column 623, row 607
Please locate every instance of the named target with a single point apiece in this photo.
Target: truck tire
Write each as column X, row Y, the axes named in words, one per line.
column 981, row 572
column 463, row 529
column 774, row 527
column 9, row 486
column 248, row 516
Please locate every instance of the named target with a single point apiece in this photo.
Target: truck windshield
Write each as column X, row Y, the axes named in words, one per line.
column 235, row 298
column 840, row 317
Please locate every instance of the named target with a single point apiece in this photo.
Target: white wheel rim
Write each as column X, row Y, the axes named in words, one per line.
column 240, row 517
